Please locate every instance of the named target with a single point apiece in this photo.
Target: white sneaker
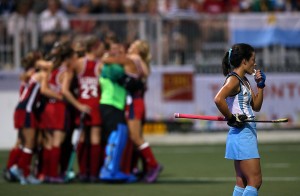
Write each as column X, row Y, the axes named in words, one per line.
column 29, row 180
column 16, row 172
column 33, row 180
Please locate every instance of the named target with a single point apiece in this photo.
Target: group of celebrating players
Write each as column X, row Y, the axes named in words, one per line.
column 85, row 97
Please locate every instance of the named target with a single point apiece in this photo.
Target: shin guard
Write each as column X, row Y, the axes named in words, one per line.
column 111, row 170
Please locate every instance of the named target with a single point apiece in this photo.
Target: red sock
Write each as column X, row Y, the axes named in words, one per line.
column 102, row 156
column 54, row 161
column 136, row 155
column 148, row 155
column 95, row 159
column 82, row 158
column 46, row 162
column 127, row 157
column 25, row 161
column 14, row 155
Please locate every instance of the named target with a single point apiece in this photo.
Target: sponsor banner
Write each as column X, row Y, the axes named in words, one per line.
column 164, row 127
column 281, row 99
column 178, row 86
column 265, row 29
column 158, row 107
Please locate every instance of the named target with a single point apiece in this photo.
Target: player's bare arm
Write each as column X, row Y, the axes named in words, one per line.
column 66, row 82
column 45, row 90
column 144, row 66
column 230, row 88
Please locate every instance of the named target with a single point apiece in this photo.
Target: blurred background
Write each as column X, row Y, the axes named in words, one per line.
column 188, row 39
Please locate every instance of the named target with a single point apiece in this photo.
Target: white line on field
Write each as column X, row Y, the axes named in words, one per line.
column 224, row 179
column 184, row 150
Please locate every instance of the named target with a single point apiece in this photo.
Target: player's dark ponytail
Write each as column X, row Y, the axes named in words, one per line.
column 225, row 64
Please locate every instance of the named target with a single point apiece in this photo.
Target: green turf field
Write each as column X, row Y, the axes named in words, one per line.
column 188, row 170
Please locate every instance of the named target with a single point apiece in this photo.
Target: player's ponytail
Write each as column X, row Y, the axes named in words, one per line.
column 144, row 51
column 226, row 64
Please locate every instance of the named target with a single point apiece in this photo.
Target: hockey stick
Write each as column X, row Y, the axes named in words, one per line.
column 75, row 140
column 221, row 118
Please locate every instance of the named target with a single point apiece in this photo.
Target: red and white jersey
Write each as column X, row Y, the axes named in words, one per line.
column 89, row 87
column 53, row 81
column 29, row 92
column 22, row 87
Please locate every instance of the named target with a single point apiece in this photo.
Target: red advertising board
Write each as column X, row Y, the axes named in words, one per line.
column 177, row 87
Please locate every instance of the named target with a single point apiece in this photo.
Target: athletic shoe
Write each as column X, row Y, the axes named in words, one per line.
column 153, row 174
column 8, row 176
column 139, row 174
column 107, row 175
column 69, row 176
column 131, row 178
column 30, row 179
column 16, row 172
column 41, row 177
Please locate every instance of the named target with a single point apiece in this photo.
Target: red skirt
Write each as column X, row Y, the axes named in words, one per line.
column 55, row 116
column 136, row 110
column 94, row 118
column 23, row 119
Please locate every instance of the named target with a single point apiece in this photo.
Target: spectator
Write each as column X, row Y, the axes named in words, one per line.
column 39, row 6
column 21, row 26
column 165, row 6
column 96, row 6
column 152, row 7
column 7, row 7
column 113, row 7
column 233, row 6
column 119, row 26
column 23, row 19
column 245, row 5
column 53, row 19
column 52, row 22
column 289, row 5
column 214, row 6
column 262, row 5
column 83, row 26
column 75, row 6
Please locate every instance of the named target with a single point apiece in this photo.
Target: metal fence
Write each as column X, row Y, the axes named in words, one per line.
column 198, row 40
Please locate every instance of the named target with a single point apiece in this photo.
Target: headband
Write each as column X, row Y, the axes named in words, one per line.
column 230, row 50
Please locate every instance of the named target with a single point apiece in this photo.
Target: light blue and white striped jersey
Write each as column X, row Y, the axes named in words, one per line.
column 241, row 102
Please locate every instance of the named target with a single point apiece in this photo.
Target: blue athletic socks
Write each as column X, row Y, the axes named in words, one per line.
column 238, row 191
column 250, row 191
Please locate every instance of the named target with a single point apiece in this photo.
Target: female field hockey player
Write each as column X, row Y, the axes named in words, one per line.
column 136, row 66
column 87, row 70
column 55, row 110
column 27, row 121
column 237, row 101
column 112, row 107
column 28, row 63
column 139, row 53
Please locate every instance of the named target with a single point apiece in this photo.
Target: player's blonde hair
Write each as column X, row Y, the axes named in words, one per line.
column 144, row 51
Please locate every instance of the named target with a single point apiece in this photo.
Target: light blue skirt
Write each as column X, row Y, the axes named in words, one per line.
column 241, row 143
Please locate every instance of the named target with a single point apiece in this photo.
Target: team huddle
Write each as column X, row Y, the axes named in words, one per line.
column 84, row 97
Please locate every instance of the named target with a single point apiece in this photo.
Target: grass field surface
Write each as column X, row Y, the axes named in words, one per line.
column 188, row 170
